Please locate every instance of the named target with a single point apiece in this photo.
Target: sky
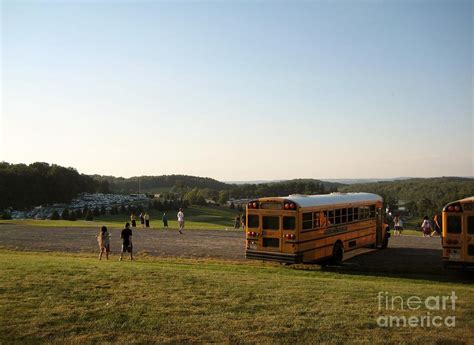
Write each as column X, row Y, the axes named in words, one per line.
column 239, row 90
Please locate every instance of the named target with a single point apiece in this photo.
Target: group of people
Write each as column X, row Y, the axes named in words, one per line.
column 103, row 237
column 429, row 228
column 144, row 219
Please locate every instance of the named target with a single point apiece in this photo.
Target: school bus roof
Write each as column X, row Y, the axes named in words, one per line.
column 332, row 199
column 469, row 199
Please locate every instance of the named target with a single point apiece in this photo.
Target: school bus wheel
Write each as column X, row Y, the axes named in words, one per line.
column 337, row 253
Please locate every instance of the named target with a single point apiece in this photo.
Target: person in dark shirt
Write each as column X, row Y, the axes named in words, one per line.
column 126, row 237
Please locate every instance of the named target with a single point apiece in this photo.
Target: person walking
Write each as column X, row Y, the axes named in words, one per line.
column 426, row 227
column 242, row 220
column 103, row 239
column 142, row 219
column 237, row 222
column 400, row 225
column 165, row 221
column 133, row 220
column 147, row 219
column 180, row 221
column 396, row 225
column 126, row 237
column 436, row 226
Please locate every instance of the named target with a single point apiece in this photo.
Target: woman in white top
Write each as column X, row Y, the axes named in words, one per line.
column 180, row 221
column 147, row 219
column 396, row 225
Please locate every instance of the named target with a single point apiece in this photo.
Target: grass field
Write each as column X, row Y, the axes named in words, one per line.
column 197, row 217
column 74, row 298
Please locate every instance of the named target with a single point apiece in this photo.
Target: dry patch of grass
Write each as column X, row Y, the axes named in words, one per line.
column 74, row 298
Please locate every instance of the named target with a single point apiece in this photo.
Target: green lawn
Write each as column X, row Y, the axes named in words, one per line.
column 197, row 217
column 74, row 298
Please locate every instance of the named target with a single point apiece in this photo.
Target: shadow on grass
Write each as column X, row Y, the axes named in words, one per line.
column 410, row 263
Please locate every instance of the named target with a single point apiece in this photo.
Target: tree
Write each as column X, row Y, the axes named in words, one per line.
column 78, row 213
column 114, row 210
column 65, row 214
column 89, row 215
column 103, row 211
column 55, row 215
column 72, row 216
column 6, row 215
column 22, row 186
column 223, row 197
column 195, row 197
column 96, row 212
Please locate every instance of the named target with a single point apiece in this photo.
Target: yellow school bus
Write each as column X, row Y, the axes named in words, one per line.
column 314, row 228
column 458, row 233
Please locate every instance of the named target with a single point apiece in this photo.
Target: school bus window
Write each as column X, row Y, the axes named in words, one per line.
column 316, row 221
column 356, row 213
column 330, row 217
column 344, row 215
column 337, row 218
column 363, row 212
column 349, row 214
column 289, row 223
column 271, row 222
column 372, row 211
column 454, row 224
column 307, row 221
column 253, row 221
column 470, row 225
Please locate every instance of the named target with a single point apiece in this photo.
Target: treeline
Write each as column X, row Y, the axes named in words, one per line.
column 283, row 188
column 156, row 184
column 421, row 196
column 199, row 196
column 210, row 188
column 23, row 186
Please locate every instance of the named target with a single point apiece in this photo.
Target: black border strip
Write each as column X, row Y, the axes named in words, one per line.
column 331, row 235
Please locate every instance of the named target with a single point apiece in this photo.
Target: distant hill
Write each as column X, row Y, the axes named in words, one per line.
column 167, row 183
column 157, row 184
column 282, row 188
column 424, row 196
column 365, row 180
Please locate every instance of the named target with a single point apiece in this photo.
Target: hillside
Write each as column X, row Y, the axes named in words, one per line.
column 421, row 195
column 157, row 184
column 178, row 183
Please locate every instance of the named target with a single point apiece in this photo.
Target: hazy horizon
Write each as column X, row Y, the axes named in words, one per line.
column 239, row 91
column 256, row 180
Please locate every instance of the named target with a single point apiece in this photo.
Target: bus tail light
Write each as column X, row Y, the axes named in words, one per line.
column 453, row 208
column 288, row 205
column 253, row 204
column 252, row 234
column 290, row 236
